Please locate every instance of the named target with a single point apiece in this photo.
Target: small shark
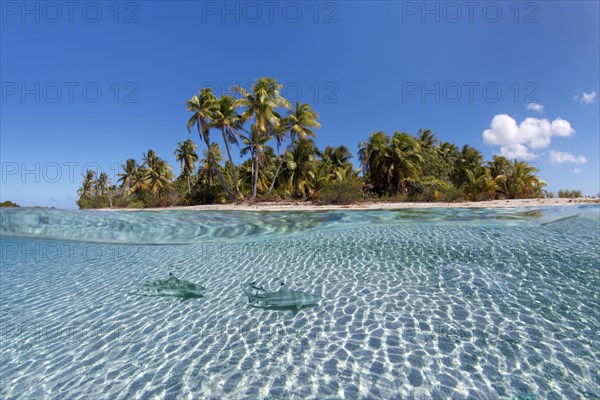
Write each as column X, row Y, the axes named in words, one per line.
column 560, row 220
column 171, row 287
column 281, row 299
column 583, row 212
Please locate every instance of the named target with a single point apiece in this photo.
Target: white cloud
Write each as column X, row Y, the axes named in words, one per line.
column 533, row 132
column 586, row 98
column 577, row 170
column 537, row 107
column 560, row 157
column 517, row 151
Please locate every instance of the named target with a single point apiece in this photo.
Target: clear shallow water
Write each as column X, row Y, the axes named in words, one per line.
column 421, row 304
column 188, row 227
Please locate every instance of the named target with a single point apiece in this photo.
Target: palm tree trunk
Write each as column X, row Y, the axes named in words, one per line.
column 233, row 174
column 188, row 183
column 255, row 177
column 252, row 172
column 275, row 176
column 215, row 168
column 289, row 148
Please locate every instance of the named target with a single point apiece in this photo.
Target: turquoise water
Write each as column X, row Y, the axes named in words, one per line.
column 416, row 304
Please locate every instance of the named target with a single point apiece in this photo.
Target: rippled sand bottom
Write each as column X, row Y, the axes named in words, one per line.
column 411, row 311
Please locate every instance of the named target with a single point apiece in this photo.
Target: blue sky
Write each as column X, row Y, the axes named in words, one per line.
column 93, row 85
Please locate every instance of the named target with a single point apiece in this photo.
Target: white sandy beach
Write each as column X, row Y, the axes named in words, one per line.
column 309, row 206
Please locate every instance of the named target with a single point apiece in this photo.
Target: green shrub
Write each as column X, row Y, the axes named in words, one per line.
column 93, row 202
column 267, row 198
column 569, row 194
column 397, row 198
column 8, row 204
column 453, row 194
column 134, row 203
column 427, row 189
column 120, row 202
column 102, row 201
column 480, row 197
column 203, row 194
column 340, row 193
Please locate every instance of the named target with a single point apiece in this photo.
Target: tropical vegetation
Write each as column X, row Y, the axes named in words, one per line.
column 569, row 194
column 254, row 145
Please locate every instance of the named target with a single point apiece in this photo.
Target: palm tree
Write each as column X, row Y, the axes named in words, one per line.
column 319, row 177
column 226, row 118
column 149, row 158
column 154, row 175
column 279, row 133
column 301, row 168
column 103, row 184
column 522, row 181
column 261, row 104
column 267, row 164
column 479, row 182
column 298, row 122
column 87, row 186
column 469, row 160
column 389, row 162
column 187, row 156
column 372, row 155
column 348, row 174
column 159, row 176
column 138, row 183
column 404, row 161
column 500, row 170
column 449, row 151
column 203, row 108
column 336, row 159
column 128, row 175
column 207, row 169
column 255, row 144
column 427, row 138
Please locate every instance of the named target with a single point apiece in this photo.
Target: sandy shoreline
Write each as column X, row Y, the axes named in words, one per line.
column 308, row 206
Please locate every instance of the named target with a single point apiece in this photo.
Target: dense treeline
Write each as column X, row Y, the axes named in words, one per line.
column 281, row 161
column 8, row 203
